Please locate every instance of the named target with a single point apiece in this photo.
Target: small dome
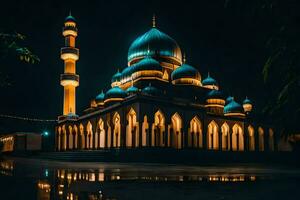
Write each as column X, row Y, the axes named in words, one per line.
column 70, row 18
column 115, row 92
column 100, row 97
column 209, row 81
column 185, row 71
column 247, row 101
column 229, row 99
column 150, row 90
column 132, row 90
column 127, row 71
column 156, row 43
column 233, row 107
column 147, row 63
column 215, row 94
column 116, row 77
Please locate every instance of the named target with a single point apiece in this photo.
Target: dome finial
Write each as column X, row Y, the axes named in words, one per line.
column 184, row 58
column 148, row 50
column 70, row 13
column 153, row 21
column 208, row 74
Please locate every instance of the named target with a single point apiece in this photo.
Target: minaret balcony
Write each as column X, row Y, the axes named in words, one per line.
column 69, row 30
column 69, row 53
column 69, row 79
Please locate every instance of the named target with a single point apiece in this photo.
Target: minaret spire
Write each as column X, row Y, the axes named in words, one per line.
column 153, row 21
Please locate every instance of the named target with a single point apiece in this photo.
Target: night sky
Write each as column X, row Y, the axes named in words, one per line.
column 225, row 37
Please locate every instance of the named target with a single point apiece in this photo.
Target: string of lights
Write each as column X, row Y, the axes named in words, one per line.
column 27, row 118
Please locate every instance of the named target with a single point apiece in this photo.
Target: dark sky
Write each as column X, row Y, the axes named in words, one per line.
column 225, row 37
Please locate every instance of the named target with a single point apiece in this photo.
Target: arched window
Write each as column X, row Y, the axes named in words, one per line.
column 101, row 133
column 145, row 127
column 271, row 139
column 251, row 138
column 82, row 137
column 261, row 140
column 109, row 134
column 213, row 136
column 70, row 137
column 195, row 138
column 158, row 130
column 132, row 129
column 64, row 138
column 75, row 131
column 89, row 129
column 59, row 138
column 117, row 130
column 237, row 142
column 165, row 75
column 177, row 134
column 225, row 137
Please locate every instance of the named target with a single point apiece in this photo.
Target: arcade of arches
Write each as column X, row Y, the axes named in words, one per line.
column 159, row 131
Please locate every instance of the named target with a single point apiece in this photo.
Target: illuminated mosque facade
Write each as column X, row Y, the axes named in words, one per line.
column 157, row 101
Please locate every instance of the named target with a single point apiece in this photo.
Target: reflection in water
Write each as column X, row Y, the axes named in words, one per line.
column 44, row 189
column 94, row 184
column 6, row 167
column 68, row 179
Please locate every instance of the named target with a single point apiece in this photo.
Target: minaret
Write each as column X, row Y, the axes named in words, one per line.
column 69, row 54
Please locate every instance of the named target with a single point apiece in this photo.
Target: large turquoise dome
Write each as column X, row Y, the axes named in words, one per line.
column 154, row 43
column 185, row 71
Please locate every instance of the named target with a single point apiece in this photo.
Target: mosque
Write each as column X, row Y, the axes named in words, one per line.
column 157, row 101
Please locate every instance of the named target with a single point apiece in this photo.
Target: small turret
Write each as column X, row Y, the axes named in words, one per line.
column 247, row 105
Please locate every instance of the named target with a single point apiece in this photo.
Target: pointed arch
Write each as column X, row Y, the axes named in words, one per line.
column 165, row 75
column 195, row 137
column 59, row 138
column 213, row 136
column 116, row 130
column 82, row 137
column 251, row 138
column 145, row 128
column 271, row 139
column 109, row 133
column 261, row 140
column 225, row 137
column 237, row 138
column 158, row 129
column 101, row 133
column 64, row 138
column 75, row 131
column 177, row 133
column 89, row 136
column 132, row 129
column 70, row 128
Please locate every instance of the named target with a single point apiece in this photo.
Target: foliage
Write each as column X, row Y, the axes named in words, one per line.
column 12, row 45
column 281, row 75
